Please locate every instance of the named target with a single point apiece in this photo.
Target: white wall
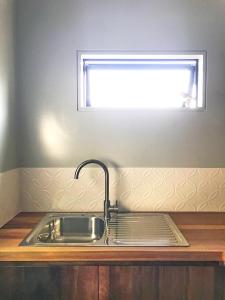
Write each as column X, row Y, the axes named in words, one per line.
column 9, row 175
column 54, row 134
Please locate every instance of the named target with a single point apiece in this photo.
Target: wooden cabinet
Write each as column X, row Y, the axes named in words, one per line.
column 49, row 283
column 112, row 282
column 162, row 283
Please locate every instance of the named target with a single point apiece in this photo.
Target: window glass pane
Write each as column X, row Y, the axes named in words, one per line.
column 141, row 83
column 139, row 87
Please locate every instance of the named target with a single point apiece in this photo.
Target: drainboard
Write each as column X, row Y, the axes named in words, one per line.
column 145, row 230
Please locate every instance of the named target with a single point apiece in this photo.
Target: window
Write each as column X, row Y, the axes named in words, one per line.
column 140, row 81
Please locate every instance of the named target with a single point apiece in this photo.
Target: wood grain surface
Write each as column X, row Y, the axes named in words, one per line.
column 204, row 231
column 46, row 283
column 112, row 282
column 162, row 283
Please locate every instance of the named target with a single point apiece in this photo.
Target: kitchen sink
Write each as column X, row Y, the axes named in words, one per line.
column 123, row 229
column 108, row 229
column 66, row 229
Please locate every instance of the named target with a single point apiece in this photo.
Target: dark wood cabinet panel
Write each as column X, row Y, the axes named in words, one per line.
column 49, row 283
column 201, row 283
column 128, row 282
column 162, row 283
column 172, row 283
column 112, row 282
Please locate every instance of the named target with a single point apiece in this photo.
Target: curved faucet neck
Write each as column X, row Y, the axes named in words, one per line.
column 101, row 164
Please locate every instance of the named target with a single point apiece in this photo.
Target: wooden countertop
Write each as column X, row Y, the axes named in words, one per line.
column 204, row 231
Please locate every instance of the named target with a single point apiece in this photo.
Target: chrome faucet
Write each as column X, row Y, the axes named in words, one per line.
column 108, row 208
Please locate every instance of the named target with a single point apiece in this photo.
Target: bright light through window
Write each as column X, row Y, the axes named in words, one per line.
column 119, row 81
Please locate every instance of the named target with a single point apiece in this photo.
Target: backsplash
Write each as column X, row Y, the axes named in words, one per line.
column 9, row 195
column 136, row 189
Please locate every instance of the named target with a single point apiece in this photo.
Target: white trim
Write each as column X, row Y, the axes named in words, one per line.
column 143, row 55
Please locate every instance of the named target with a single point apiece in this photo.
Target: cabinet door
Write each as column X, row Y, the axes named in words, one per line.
column 161, row 283
column 112, row 283
column 49, row 283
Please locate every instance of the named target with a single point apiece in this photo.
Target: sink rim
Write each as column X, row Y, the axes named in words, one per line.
column 32, row 238
column 106, row 240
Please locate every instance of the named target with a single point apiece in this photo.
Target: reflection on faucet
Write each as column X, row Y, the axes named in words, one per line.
column 107, row 206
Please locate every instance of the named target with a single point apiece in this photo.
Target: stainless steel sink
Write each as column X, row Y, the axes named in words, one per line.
column 66, row 229
column 124, row 229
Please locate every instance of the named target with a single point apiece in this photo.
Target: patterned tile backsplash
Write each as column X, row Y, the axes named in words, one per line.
column 136, row 189
column 9, row 195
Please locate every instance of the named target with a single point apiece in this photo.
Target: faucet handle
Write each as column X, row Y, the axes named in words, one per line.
column 114, row 208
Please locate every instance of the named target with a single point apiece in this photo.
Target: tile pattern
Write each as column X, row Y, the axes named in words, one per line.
column 9, row 195
column 136, row 189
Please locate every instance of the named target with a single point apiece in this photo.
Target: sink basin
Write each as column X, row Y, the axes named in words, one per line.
column 64, row 229
column 125, row 229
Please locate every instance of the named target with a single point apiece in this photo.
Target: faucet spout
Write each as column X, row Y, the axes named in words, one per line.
column 107, row 206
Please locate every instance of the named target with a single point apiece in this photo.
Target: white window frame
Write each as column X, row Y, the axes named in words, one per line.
column 200, row 56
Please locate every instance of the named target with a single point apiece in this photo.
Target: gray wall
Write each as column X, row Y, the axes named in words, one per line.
column 7, row 90
column 53, row 133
